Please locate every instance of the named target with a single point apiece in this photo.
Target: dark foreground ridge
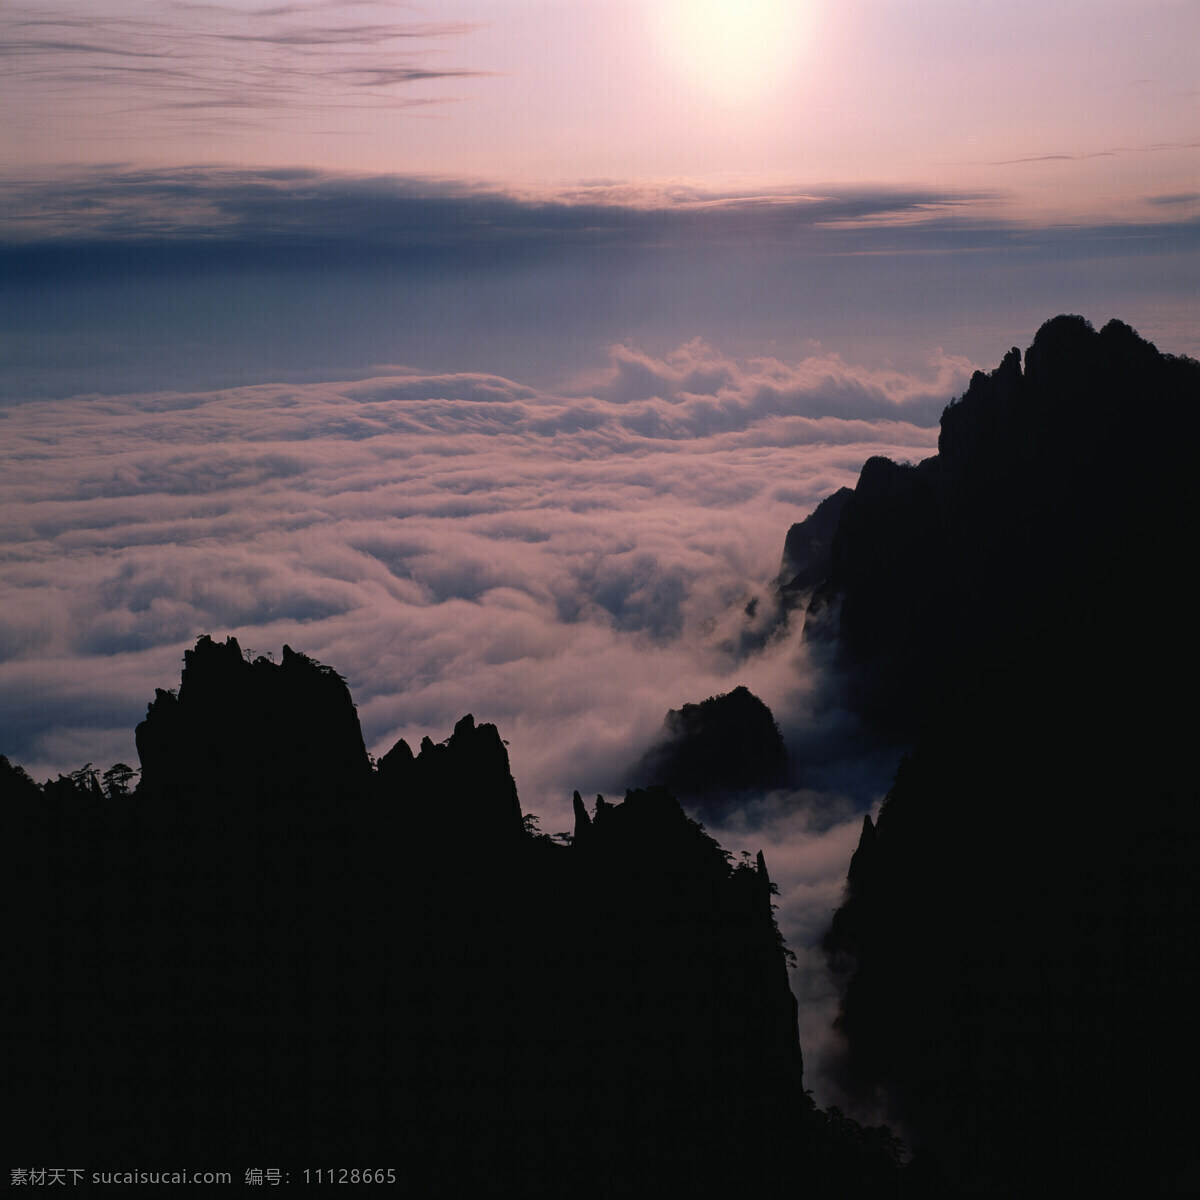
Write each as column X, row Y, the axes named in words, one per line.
column 272, row 948
column 1019, row 932
column 272, row 953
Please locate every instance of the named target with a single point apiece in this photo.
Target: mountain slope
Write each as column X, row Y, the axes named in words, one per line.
column 269, row 951
column 1018, row 928
column 1057, row 492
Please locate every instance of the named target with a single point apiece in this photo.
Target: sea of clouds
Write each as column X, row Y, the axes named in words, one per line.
column 567, row 565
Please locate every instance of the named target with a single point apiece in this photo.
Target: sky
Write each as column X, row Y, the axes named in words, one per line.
column 486, row 351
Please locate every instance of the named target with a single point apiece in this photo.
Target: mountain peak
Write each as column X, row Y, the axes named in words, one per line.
column 710, row 752
column 926, row 560
column 253, row 722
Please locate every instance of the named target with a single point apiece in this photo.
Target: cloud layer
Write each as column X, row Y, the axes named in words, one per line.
column 446, row 542
column 304, row 208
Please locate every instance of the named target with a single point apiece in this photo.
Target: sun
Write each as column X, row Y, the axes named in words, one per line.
column 734, row 49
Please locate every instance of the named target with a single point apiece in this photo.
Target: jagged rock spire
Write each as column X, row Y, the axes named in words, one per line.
column 583, row 823
column 761, row 866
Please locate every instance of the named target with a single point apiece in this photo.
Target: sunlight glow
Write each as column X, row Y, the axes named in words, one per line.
column 734, row 49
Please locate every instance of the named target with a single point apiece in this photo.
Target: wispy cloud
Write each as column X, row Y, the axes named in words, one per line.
column 1176, row 198
column 1081, row 155
column 299, row 209
column 159, row 60
column 282, row 206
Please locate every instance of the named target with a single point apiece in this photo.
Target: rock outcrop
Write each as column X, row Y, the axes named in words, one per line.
column 282, row 730
column 807, row 547
column 712, row 754
column 471, row 765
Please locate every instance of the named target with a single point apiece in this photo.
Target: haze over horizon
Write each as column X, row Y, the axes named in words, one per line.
column 202, row 195
column 486, row 352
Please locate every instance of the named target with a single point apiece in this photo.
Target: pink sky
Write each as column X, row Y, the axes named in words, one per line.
column 1064, row 109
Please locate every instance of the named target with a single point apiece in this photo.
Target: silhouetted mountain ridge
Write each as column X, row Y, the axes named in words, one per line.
column 1051, row 488
column 271, row 949
column 272, row 943
column 1018, row 930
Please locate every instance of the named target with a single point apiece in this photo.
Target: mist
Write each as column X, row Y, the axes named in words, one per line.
column 127, row 281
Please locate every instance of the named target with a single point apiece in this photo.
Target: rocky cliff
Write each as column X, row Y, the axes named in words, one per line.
column 807, row 548
column 1017, row 932
column 270, row 953
column 1054, row 489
